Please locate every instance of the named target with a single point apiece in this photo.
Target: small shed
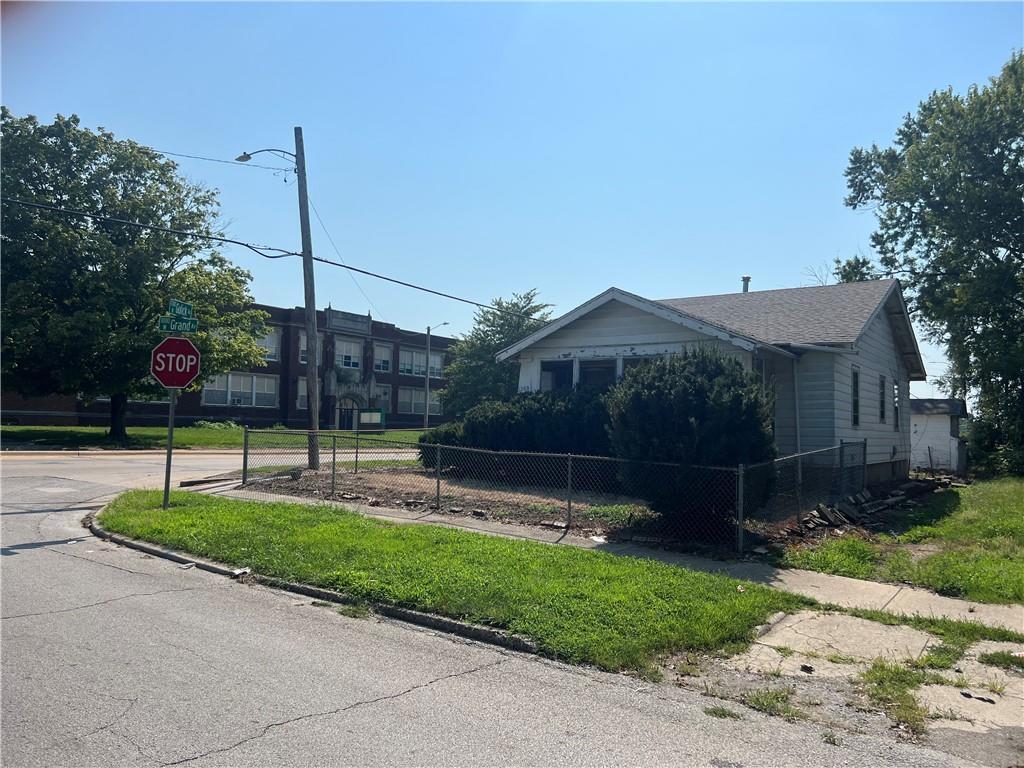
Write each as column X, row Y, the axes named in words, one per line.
column 935, row 441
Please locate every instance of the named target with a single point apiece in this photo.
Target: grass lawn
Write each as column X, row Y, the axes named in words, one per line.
column 577, row 605
column 149, row 437
column 963, row 542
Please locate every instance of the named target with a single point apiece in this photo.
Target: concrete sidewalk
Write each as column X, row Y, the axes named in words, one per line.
column 826, row 588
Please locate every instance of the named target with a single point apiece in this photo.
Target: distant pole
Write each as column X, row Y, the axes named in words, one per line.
column 426, row 386
column 312, row 341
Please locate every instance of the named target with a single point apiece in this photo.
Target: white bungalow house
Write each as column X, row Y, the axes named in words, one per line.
column 935, row 441
column 838, row 359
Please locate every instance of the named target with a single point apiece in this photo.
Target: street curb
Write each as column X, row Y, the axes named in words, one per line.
column 431, row 621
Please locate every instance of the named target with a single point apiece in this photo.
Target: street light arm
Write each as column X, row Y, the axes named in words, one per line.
column 245, row 157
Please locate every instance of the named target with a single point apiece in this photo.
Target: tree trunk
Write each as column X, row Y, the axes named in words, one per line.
column 118, row 411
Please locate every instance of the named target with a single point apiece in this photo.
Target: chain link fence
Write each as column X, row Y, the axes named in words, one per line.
column 646, row 502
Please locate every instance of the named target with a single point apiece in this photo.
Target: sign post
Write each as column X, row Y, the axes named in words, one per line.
column 174, row 363
column 170, row 446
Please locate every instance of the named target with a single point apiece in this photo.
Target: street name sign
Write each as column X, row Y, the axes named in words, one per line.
column 181, row 308
column 177, row 324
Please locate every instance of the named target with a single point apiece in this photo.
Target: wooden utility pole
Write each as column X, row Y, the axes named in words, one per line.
column 312, row 340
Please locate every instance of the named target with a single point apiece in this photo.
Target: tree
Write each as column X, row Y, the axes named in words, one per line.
column 949, row 203
column 854, row 270
column 474, row 375
column 81, row 296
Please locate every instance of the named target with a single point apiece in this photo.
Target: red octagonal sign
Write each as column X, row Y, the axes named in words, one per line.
column 175, row 363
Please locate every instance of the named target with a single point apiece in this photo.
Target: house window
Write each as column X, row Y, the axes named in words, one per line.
column 215, row 391
column 271, row 344
column 241, row 389
column 597, row 373
column 436, row 365
column 381, row 358
column 883, row 394
column 555, row 375
column 300, row 394
column 347, row 354
column 855, row 397
column 302, row 345
column 382, row 397
column 412, row 363
column 435, row 403
column 895, row 406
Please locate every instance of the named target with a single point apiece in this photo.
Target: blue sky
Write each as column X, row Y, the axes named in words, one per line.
column 483, row 149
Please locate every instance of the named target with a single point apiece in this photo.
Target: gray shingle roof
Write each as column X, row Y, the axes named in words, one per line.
column 936, row 405
column 824, row 314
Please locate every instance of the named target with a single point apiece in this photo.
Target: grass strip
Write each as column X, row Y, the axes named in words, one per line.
column 1004, row 660
column 978, row 532
column 581, row 606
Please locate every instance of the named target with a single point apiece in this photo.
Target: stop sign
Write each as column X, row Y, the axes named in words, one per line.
column 175, row 362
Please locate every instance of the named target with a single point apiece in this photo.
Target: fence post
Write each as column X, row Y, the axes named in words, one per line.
column 568, row 496
column 334, row 462
column 437, row 478
column 245, row 455
column 355, row 470
column 739, row 509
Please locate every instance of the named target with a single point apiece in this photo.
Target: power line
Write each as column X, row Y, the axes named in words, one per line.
column 488, row 307
column 225, row 162
column 338, row 252
column 280, row 252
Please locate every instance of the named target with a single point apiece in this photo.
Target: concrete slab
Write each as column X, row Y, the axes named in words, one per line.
column 1006, row 712
column 823, row 634
column 765, row 659
column 922, row 602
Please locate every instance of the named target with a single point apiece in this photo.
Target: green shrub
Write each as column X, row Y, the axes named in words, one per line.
column 229, row 424
column 700, row 409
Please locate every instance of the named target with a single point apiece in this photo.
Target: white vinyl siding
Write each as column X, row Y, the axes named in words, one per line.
column 876, row 356
column 616, row 330
column 242, row 390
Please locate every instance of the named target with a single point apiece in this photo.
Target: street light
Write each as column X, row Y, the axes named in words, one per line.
column 426, row 376
column 312, row 346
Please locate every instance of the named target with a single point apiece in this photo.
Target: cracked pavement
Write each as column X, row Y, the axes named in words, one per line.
column 115, row 658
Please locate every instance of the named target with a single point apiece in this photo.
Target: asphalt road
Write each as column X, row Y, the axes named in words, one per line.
column 111, row 657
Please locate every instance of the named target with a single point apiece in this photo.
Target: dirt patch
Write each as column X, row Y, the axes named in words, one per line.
column 593, row 514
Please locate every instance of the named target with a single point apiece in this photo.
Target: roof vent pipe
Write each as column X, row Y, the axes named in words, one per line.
column 746, row 283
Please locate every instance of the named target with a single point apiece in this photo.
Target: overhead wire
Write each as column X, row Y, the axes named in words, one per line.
column 275, row 253
column 225, row 162
column 338, row 252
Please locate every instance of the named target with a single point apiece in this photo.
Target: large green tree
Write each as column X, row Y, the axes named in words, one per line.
column 474, row 375
column 81, row 296
column 949, row 201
